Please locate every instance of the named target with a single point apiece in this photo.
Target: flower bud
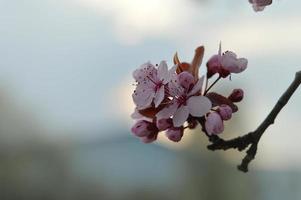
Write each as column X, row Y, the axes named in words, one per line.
column 213, row 65
column 214, row 124
column 225, row 112
column 237, row 95
column 259, row 5
column 192, row 123
column 186, row 80
column 150, row 138
column 175, row 134
column 143, row 128
column 163, row 124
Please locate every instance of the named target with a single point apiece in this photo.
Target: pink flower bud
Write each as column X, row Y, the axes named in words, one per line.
column 213, row 65
column 143, row 128
column 150, row 138
column 237, row 95
column 225, row 63
column 214, row 124
column 163, row 124
column 175, row 134
column 224, row 72
column 225, row 112
column 259, row 5
column 186, row 80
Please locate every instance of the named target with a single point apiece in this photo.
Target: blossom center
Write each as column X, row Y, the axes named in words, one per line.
column 182, row 100
column 158, row 85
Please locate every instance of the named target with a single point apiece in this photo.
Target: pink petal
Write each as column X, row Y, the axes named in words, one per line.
column 214, row 124
column 225, row 112
column 186, row 80
column 180, row 116
column 232, row 64
column 197, row 87
column 174, row 88
column 171, row 74
column 136, row 115
column 167, row 112
column 163, row 71
column 229, row 62
column 242, row 63
column 175, row 134
column 143, row 97
column 164, row 124
column 143, row 128
column 146, row 69
column 230, row 54
column 159, row 96
column 199, row 105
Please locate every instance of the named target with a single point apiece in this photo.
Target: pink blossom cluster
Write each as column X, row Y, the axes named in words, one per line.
column 259, row 5
column 176, row 99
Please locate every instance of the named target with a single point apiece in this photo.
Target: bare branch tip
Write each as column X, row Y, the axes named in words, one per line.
column 243, row 168
column 298, row 74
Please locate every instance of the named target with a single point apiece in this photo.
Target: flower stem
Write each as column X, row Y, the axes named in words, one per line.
column 207, row 90
column 206, row 84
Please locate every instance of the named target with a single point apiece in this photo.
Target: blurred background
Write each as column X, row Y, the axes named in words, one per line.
column 65, row 99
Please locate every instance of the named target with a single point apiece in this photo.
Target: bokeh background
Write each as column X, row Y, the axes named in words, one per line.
column 65, row 99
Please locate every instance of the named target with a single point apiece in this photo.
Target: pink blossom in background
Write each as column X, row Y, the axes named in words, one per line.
column 259, row 5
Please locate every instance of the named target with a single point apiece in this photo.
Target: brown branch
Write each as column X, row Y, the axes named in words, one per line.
column 252, row 138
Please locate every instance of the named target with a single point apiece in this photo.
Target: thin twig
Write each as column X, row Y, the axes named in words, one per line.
column 253, row 138
column 207, row 90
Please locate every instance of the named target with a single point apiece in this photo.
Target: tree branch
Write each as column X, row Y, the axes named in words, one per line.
column 252, row 138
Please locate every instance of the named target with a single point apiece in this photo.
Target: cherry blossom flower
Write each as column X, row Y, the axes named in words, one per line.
column 185, row 102
column 259, row 5
column 151, row 84
column 225, row 63
column 166, row 100
column 214, row 124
